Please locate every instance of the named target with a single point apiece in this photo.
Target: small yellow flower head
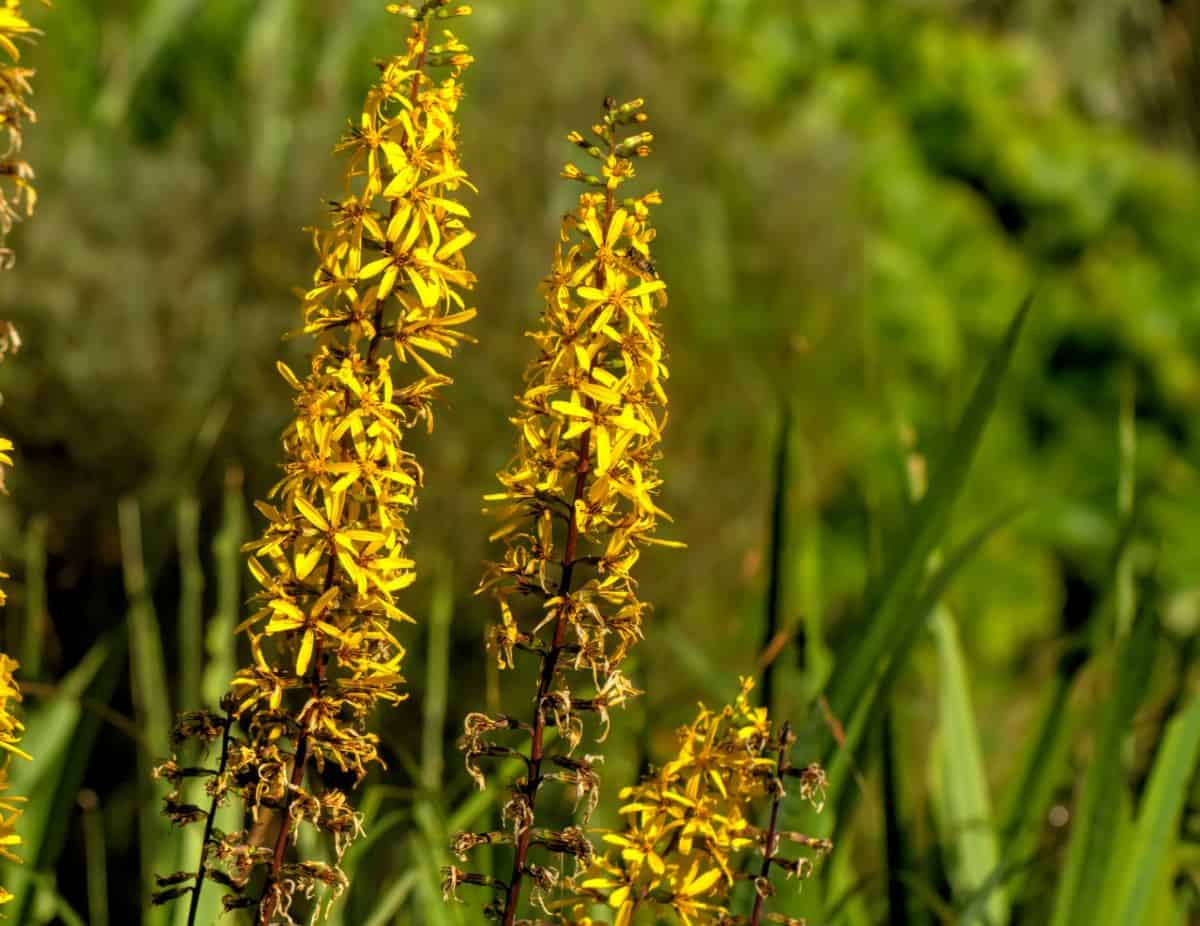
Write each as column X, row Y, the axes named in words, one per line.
column 385, row 305
column 17, row 195
column 11, row 731
column 689, row 826
column 578, row 502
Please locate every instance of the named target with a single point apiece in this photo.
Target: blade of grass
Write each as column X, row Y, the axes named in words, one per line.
column 1126, row 499
column 898, row 846
column 1032, row 790
column 843, row 760
column 36, row 612
column 1158, row 817
column 392, row 900
column 773, row 625
column 428, row 846
column 817, row 658
column 966, row 812
column 437, row 678
column 152, row 708
column 95, row 857
column 60, row 734
column 228, row 564
column 1097, row 813
column 191, row 603
column 889, row 607
column 157, row 26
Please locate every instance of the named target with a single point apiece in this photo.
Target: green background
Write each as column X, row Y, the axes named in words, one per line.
column 858, row 196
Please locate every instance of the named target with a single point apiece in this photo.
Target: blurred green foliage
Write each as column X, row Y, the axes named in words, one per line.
column 857, row 197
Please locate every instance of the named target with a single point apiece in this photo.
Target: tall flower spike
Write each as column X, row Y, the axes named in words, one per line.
column 577, row 503
column 688, row 835
column 389, row 289
column 17, row 199
column 11, row 731
column 17, row 195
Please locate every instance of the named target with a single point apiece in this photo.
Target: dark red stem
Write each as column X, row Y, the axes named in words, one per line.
column 772, row 840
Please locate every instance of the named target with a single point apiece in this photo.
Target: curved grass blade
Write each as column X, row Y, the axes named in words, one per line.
column 60, row 734
column 889, row 607
column 1158, row 817
column 1098, row 812
column 965, row 808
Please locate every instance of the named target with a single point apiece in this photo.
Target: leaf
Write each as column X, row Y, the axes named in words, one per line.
column 1097, row 812
column 966, row 813
column 227, row 559
column 1158, row 818
column 60, row 735
column 152, row 702
column 890, row 617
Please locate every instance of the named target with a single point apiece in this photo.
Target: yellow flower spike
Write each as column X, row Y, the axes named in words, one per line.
column 17, row 200
column 687, row 826
column 389, row 289
column 11, row 731
column 17, row 194
column 578, row 499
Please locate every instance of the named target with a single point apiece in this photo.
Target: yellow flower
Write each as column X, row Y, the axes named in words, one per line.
column 385, row 309
column 17, row 195
column 689, row 826
column 578, row 502
column 11, row 731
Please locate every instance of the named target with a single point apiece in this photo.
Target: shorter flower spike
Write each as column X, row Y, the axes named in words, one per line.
column 688, row 836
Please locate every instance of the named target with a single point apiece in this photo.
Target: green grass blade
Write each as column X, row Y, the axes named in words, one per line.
column 95, row 854
column 158, row 849
column 889, row 612
column 966, row 812
column 229, row 567
column 392, row 900
column 158, row 25
column 773, row 625
column 36, row 612
column 191, row 603
column 437, row 679
column 842, row 762
column 1097, row 814
column 60, row 734
column 916, row 619
column 901, row 864
column 1158, row 817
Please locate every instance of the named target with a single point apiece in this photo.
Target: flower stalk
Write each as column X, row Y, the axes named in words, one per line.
column 388, row 292
column 17, row 200
column 577, row 503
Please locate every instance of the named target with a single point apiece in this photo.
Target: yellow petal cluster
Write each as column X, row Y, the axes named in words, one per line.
column 17, row 200
column 578, row 503
column 11, row 731
column 690, row 830
column 688, row 821
column 385, row 308
column 589, row 424
column 17, row 195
